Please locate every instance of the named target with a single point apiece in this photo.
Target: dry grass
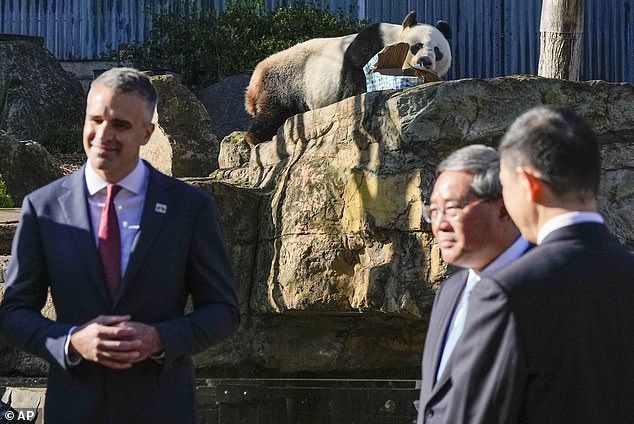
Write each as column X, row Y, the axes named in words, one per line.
column 70, row 162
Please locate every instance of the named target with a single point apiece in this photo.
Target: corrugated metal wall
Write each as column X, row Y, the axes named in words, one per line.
column 491, row 37
column 84, row 29
column 76, row 29
column 501, row 37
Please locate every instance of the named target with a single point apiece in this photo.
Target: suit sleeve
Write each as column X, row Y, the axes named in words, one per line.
column 26, row 287
column 210, row 281
column 489, row 373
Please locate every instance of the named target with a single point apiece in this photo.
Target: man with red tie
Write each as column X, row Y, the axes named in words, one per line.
column 121, row 247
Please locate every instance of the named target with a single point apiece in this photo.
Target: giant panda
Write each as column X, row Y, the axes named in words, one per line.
column 323, row 71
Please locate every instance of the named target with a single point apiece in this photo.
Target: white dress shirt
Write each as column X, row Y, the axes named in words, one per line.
column 565, row 220
column 128, row 204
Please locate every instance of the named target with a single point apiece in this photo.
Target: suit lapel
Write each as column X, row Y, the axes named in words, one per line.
column 74, row 205
column 448, row 307
column 156, row 209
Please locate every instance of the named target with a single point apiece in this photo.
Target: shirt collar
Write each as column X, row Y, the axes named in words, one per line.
column 134, row 182
column 565, row 220
column 513, row 252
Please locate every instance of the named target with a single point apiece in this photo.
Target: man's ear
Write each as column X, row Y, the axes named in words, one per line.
column 502, row 212
column 535, row 184
column 149, row 129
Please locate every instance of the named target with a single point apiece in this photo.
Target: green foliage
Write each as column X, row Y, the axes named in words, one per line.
column 205, row 48
column 5, row 200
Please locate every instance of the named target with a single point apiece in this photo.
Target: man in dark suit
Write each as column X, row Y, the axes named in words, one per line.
column 121, row 247
column 473, row 231
column 549, row 338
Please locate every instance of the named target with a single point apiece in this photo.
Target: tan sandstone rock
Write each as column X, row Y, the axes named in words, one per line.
column 182, row 144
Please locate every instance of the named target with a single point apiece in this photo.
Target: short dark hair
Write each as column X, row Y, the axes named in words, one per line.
column 125, row 80
column 558, row 144
column 483, row 163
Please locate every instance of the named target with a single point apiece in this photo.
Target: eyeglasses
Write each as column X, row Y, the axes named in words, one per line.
column 432, row 213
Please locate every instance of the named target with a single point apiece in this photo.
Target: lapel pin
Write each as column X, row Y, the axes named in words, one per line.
column 160, row 208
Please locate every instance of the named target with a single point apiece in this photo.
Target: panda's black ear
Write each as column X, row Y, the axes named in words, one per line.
column 410, row 20
column 444, row 28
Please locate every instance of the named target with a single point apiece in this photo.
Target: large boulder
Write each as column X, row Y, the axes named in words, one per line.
column 25, row 166
column 224, row 102
column 235, row 151
column 182, row 144
column 38, row 96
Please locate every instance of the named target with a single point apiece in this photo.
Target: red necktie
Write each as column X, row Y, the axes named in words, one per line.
column 110, row 243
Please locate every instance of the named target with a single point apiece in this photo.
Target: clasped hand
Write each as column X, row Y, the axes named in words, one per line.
column 115, row 341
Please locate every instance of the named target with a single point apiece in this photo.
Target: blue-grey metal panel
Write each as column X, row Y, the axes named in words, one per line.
column 520, row 54
column 608, row 40
column 82, row 29
column 490, row 37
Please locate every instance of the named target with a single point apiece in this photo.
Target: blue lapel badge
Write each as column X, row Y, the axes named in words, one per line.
column 160, row 208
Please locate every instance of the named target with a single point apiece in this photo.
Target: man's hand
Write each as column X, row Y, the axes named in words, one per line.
column 115, row 342
column 149, row 338
column 104, row 340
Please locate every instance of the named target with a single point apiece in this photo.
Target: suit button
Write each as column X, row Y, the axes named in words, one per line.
column 430, row 413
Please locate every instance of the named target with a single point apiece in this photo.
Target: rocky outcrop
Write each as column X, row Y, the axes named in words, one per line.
column 38, row 96
column 8, row 224
column 336, row 269
column 345, row 231
column 182, row 144
column 235, row 151
column 342, row 247
column 224, row 102
column 25, row 166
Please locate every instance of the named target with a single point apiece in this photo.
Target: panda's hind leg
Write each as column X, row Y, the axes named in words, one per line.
column 265, row 124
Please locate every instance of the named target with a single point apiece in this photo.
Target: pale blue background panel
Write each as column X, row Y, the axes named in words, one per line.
column 490, row 37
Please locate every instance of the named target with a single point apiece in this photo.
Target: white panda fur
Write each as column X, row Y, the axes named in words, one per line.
column 323, row 71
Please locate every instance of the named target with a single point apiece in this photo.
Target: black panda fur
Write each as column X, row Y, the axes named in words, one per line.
column 323, row 71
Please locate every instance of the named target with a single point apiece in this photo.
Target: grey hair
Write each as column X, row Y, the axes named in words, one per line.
column 483, row 163
column 126, row 80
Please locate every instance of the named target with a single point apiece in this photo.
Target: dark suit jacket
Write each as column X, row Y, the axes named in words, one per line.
column 550, row 338
column 176, row 253
column 432, row 393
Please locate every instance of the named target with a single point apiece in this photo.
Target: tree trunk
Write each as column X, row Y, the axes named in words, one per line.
column 561, row 31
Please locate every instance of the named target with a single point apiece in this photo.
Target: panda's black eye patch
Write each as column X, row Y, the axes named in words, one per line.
column 416, row 47
column 438, row 54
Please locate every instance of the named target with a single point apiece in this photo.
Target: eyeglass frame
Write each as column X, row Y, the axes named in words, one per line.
column 443, row 211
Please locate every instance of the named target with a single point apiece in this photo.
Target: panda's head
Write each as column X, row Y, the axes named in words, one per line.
column 428, row 44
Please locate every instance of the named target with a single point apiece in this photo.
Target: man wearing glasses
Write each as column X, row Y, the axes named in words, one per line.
column 548, row 339
column 474, row 231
